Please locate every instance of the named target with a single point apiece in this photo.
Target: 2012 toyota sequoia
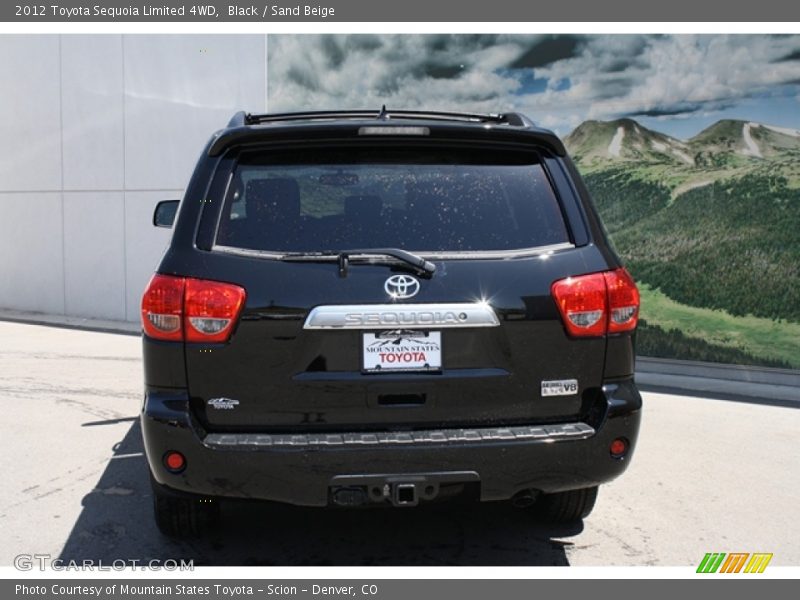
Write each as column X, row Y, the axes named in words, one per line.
column 392, row 308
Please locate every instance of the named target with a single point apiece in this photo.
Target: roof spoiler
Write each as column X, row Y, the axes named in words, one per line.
column 241, row 119
column 239, row 125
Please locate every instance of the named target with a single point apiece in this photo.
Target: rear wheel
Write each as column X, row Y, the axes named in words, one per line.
column 566, row 507
column 183, row 515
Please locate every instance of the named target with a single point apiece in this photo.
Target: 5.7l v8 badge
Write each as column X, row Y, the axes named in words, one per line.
column 560, row 387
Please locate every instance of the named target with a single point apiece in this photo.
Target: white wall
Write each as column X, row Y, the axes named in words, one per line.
column 95, row 130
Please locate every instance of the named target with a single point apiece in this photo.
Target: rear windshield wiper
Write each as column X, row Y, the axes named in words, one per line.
column 421, row 266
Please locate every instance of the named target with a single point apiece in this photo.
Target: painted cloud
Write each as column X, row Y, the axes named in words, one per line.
column 558, row 80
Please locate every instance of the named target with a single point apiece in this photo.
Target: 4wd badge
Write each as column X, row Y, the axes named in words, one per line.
column 560, row 387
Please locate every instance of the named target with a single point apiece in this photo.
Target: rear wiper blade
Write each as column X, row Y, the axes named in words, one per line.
column 419, row 264
column 422, row 266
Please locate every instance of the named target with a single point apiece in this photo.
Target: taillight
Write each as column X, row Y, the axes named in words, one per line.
column 162, row 308
column 599, row 303
column 583, row 302
column 623, row 301
column 192, row 310
column 211, row 310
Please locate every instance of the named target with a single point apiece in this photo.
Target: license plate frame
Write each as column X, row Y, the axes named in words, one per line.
column 401, row 351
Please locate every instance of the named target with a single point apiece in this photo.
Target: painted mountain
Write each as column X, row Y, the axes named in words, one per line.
column 710, row 226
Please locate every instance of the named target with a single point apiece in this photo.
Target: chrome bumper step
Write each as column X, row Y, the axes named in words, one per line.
column 540, row 433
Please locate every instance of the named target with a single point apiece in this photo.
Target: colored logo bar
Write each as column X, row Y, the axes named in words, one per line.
column 734, row 562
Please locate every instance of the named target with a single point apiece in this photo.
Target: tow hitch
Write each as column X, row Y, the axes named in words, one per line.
column 405, row 494
column 397, row 490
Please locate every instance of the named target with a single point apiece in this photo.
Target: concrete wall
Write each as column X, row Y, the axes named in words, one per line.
column 94, row 130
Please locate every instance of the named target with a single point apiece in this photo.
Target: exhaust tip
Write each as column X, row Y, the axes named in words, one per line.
column 524, row 499
column 349, row 497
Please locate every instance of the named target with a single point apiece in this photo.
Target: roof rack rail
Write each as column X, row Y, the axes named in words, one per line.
column 512, row 118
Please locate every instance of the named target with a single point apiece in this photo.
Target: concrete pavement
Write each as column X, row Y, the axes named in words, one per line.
column 708, row 475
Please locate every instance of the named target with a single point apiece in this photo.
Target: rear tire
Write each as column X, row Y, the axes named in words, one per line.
column 183, row 515
column 566, row 507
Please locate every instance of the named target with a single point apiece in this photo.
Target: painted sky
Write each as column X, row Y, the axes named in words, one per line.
column 677, row 84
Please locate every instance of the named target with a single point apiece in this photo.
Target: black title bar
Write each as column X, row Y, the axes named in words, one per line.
column 452, row 11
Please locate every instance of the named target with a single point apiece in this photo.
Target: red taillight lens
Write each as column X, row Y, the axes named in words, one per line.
column 582, row 302
column 174, row 461
column 599, row 303
column 623, row 301
column 211, row 308
column 618, row 448
column 162, row 307
column 194, row 310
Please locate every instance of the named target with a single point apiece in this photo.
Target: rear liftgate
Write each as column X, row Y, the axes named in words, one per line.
column 401, row 490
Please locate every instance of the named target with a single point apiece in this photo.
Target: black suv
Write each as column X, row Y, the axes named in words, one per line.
column 386, row 308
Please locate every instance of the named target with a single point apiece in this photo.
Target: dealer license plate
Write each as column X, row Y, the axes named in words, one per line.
column 404, row 350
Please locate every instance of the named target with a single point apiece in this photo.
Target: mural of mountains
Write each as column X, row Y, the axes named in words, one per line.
column 724, row 143
column 624, row 140
column 711, row 228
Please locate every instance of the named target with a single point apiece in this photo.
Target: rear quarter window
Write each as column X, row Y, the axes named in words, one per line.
column 415, row 199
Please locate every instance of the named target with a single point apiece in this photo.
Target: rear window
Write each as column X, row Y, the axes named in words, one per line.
column 417, row 200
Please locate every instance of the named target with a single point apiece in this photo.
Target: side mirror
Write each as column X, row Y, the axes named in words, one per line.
column 164, row 214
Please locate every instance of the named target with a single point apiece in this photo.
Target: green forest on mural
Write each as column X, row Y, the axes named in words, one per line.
column 710, row 228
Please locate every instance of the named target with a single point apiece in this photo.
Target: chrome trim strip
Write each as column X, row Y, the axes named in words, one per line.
column 541, row 433
column 427, row 255
column 402, row 316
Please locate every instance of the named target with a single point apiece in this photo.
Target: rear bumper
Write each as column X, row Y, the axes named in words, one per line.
column 301, row 469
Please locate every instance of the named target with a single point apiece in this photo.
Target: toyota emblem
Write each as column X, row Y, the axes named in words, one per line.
column 401, row 286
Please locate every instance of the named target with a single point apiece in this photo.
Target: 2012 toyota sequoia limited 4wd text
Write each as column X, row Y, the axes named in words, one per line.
column 393, row 308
